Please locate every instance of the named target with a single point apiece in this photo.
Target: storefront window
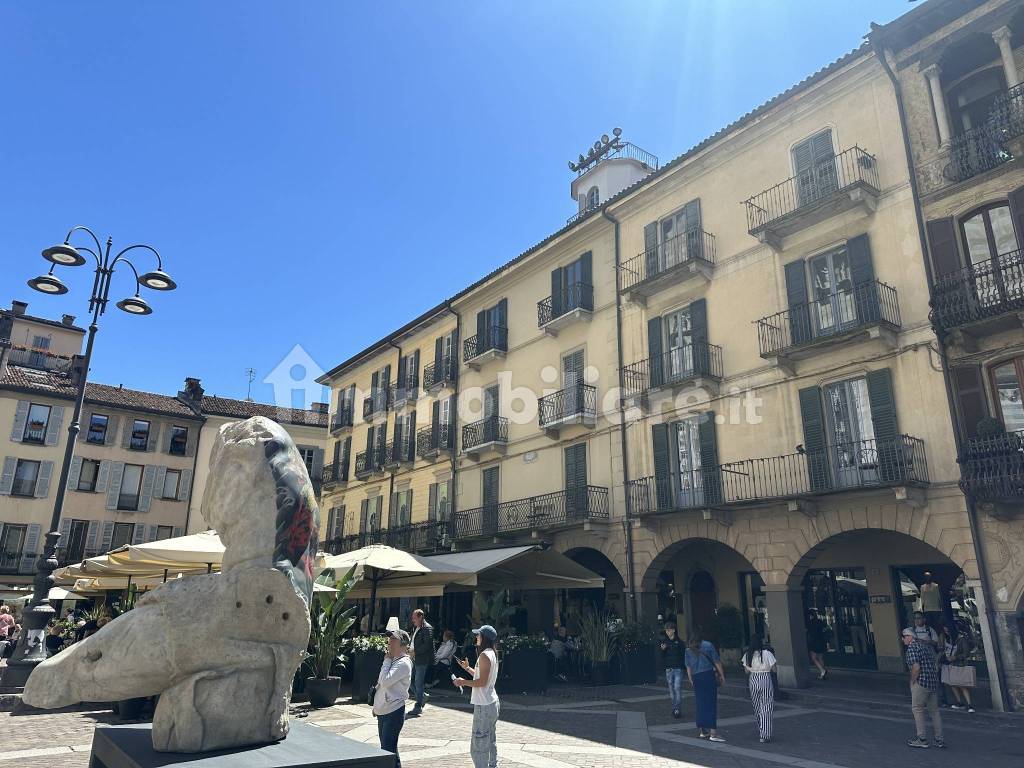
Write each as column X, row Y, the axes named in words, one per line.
column 959, row 611
column 839, row 598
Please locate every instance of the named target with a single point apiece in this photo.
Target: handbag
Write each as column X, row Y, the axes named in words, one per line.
column 964, row 676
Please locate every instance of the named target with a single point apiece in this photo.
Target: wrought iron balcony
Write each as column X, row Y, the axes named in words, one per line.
column 828, row 319
column 17, row 562
column 838, row 468
column 420, row 538
column 66, row 557
column 403, row 393
column 489, row 433
column 40, row 359
column 574, row 302
column 561, row 509
column 623, row 150
column 493, row 342
column 447, row 374
column 833, row 185
column 576, row 404
column 672, row 261
column 994, row 142
column 433, row 439
column 674, row 368
column 342, row 419
column 368, row 462
column 396, row 453
column 376, row 403
column 984, row 291
column 335, row 472
column 993, row 467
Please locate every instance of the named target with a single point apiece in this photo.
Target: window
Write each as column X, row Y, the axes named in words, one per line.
column 172, row 484
column 35, row 426
column 307, row 455
column 686, row 461
column 164, row 532
column 369, row 516
column 122, row 535
column 37, row 359
column 179, row 440
column 140, row 435
column 97, row 434
column 25, row 475
column 814, row 166
column 681, row 236
column 593, row 198
column 439, row 503
column 971, row 100
column 89, row 475
column 12, row 542
column 851, row 432
column 988, row 233
column 401, row 510
column 74, row 544
column 131, row 481
column 834, row 302
column 1008, row 379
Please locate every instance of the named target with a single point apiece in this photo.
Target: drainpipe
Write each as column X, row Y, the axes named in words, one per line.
column 454, row 425
column 627, row 524
column 972, row 511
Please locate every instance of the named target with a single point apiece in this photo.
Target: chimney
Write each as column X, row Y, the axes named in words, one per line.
column 67, row 320
column 193, row 391
column 77, row 369
column 319, row 407
column 18, row 308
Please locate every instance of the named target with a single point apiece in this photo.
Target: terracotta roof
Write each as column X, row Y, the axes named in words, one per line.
column 244, row 409
column 863, row 50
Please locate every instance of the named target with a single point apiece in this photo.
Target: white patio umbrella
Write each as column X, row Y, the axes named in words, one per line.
column 194, row 552
column 56, row 593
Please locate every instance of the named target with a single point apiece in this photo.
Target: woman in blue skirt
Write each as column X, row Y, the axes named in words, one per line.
column 704, row 668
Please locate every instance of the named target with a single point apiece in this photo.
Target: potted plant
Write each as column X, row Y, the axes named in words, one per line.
column 330, row 620
column 367, row 656
column 728, row 629
column 597, row 641
column 525, row 659
column 491, row 608
column 637, row 653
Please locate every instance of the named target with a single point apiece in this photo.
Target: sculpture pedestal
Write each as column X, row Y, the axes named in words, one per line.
column 131, row 746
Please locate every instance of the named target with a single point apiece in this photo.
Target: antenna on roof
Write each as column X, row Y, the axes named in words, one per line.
column 250, row 374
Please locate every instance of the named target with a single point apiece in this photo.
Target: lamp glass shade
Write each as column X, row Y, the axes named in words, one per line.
column 48, row 284
column 64, row 254
column 134, row 306
column 158, row 280
column 393, row 624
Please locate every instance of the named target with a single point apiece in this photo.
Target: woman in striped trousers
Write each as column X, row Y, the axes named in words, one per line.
column 758, row 661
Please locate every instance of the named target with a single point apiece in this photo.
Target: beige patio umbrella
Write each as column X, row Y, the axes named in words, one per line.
column 194, row 552
column 384, row 571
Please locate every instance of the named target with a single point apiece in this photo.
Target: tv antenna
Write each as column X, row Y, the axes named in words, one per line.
column 250, row 374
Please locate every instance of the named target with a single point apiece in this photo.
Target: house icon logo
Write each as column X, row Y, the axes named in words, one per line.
column 294, row 380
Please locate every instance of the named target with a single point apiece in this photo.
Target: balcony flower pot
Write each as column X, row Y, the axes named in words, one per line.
column 323, row 693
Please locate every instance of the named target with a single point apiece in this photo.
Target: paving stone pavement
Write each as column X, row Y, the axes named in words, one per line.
column 623, row 727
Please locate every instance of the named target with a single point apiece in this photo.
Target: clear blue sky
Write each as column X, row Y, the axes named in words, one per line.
column 318, row 173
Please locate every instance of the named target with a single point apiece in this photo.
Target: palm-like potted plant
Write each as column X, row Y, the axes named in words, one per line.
column 597, row 643
column 330, row 621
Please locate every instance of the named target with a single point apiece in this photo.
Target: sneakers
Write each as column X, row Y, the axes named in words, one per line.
column 676, row 714
column 939, row 744
column 955, row 706
column 918, row 743
column 414, row 712
column 823, row 675
column 716, row 737
column 971, row 710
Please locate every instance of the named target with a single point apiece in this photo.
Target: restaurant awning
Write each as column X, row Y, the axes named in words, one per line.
column 383, row 571
column 196, row 551
column 525, row 567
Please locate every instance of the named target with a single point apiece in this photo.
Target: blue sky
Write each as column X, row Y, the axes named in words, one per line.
column 319, row 173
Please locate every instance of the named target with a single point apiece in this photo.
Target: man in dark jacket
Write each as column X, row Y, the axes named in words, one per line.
column 673, row 651
column 422, row 658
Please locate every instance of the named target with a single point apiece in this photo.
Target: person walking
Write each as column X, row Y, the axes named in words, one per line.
column 924, row 684
column 818, row 634
column 391, row 691
column 957, row 673
column 673, row 660
column 422, row 658
column 759, row 664
column 705, row 671
column 483, row 747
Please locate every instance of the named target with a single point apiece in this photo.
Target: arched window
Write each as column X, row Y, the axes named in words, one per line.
column 593, row 198
column 988, row 232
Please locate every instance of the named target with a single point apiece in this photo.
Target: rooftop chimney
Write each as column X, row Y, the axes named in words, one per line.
column 67, row 320
column 193, row 391
column 18, row 308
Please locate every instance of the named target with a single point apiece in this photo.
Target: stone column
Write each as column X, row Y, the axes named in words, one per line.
column 989, row 641
column 788, row 634
column 938, row 103
column 1002, row 38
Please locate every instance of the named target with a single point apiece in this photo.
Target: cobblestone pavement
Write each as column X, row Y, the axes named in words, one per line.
column 606, row 728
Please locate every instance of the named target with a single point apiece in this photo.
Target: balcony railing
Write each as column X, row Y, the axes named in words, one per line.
column 570, row 298
column 342, row 419
column 334, row 473
column 369, row 461
column 840, row 467
column 447, row 373
column 493, row 338
column 577, row 401
column 689, row 248
column 397, row 452
column 490, row 430
column 987, row 289
column 34, row 433
column 65, row 557
column 404, row 392
column 433, row 439
column 375, row 403
column 432, row 536
column 550, row 510
column 868, row 304
column 40, row 359
column 993, row 467
column 674, row 367
column 12, row 562
column 988, row 145
column 827, row 179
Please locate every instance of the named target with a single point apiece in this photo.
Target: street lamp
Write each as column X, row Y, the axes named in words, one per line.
column 31, row 648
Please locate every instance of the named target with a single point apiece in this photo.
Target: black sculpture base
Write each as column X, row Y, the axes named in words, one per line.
column 131, row 746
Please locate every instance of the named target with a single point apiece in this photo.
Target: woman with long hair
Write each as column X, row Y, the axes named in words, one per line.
column 483, row 748
column 705, row 671
column 758, row 661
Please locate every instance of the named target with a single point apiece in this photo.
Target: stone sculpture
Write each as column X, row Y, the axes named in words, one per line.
column 220, row 649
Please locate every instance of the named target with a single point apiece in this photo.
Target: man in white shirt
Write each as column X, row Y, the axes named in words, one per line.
column 392, row 691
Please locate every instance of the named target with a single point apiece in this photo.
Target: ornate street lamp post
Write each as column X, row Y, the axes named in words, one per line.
column 31, row 648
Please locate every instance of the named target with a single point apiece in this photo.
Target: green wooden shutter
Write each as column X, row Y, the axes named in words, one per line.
column 650, row 250
column 413, row 376
column 364, row 508
column 556, row 292
column 815, row 444
column 481, row 332
column 435, row 415
column 585, row 293
column 439, row 370
column 862, row 272
column 1016, row 200
column 576, row 479
column 699, row 329
column 796, row 299
column 501, row 339
column 711, row 475
column 402, row 365
column 943, row 246
column 410, row 446
column 662, row 468
column 346, row 458
column 883, row 419
column 969, row 387
column 656, row 361
column 432, row 502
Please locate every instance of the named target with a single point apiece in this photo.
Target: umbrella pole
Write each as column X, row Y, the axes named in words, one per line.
column 165, row 575
column 373, row 601
column 209, row 567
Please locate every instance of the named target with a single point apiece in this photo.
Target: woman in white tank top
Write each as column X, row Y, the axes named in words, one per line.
column 484, row 745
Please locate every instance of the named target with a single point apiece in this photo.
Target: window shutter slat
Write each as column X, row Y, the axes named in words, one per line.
column 92, row 535
column 103, row 476
column 556, row 292
column 43, row 479
column 1016, row 200
column 113, row 422
column 53, row 426
column 883, row 419
column 662, row 468
column 650, row 249
column 20, row 419
column 158, row 482
column 154, row 436
column 699, row 330
column 943, row 247
column 970, row 397
column 796, row 300
column 28, row 552
column 152, row 531
column 146, row 494
column 862, row 273
column 711, row 478
column 74, row 473
column 654, row 352
column 108, row 535
column 185, row 485
column 813, row 417
column 138, row 533
column 114, row 483
column 7, row 477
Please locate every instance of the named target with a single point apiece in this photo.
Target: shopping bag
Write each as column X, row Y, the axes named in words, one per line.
column 962, row 677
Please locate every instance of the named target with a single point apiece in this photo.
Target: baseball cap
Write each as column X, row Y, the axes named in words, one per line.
column 401, row 635
column 908, row 633
column 487, row 631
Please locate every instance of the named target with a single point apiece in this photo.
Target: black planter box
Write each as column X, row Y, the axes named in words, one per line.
column 638, row 666
column 365, row 670
column 524, row 671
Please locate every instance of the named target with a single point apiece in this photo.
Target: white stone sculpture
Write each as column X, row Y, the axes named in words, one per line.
column 220, row 649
